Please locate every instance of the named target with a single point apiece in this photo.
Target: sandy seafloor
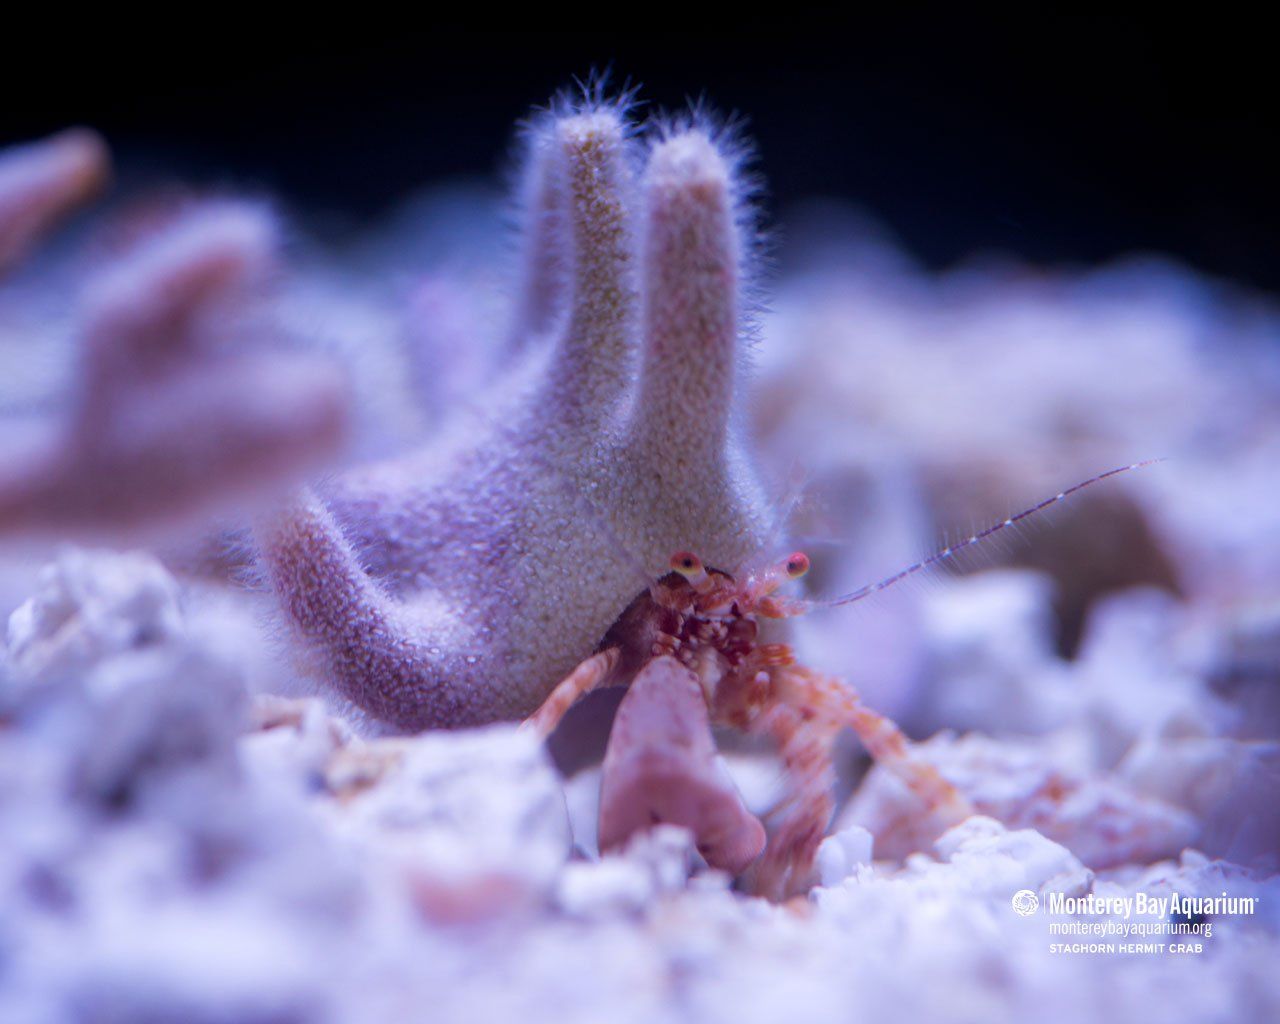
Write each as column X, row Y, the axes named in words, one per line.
column 176, row 845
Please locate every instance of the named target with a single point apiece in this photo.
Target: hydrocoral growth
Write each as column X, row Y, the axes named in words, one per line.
column 167, row 419
column 459, row 584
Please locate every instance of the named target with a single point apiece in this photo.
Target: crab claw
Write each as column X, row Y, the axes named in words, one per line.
column 661, row 766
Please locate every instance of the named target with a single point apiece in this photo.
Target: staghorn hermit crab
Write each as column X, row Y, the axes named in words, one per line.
column 689, row 649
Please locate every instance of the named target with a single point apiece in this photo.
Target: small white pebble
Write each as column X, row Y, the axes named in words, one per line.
column 840, row 854
column 606, row 888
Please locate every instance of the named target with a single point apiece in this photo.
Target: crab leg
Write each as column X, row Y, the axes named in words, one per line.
column 801, row 820
column 838, row 703
column 588, row 676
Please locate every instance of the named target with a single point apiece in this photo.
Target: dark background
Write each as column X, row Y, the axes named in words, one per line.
column 1066, row 141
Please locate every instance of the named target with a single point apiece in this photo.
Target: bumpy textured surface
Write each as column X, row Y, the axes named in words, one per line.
column 458, row 585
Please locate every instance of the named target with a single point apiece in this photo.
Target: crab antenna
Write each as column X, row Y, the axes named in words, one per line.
column 951, row 550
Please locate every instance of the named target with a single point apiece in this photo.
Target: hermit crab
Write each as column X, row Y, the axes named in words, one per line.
column 689, row 648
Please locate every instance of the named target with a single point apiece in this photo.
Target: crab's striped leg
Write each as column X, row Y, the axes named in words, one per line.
column 798, row 824
column 588, row 676
column 833, row 701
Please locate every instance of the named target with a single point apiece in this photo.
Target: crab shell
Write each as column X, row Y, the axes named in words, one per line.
column 661, row 766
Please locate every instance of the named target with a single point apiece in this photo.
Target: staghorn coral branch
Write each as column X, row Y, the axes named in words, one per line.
column 367, row 640
column 691, row 316
column 143, row 317
column 542, row 215
column 498, row 557
column 165, row 424
column 592, row 367
column 41, row 182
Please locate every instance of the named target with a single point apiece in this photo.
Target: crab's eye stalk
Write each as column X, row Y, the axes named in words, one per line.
column 691, row 568
column 687, row 564
column 797, row 565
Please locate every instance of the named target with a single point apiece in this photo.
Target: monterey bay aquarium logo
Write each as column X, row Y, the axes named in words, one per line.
column 1025, row 902
column 1137, row 923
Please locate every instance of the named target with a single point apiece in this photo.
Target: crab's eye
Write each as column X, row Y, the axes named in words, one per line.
column 797, row 565
column 686, row 563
